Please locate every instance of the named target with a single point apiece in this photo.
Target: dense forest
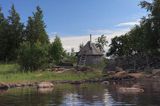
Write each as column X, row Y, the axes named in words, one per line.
column 28, row 44
column 141, row 45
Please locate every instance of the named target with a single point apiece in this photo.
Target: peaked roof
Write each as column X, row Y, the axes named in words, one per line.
column 90, row 49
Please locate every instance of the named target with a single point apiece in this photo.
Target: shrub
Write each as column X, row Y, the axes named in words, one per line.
column 33, row 56
column 56, row 50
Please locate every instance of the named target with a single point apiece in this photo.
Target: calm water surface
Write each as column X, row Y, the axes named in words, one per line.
column 82, row 95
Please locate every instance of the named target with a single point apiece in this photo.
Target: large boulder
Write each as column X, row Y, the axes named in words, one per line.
column 156, row 72
column 130, row 90
column 4, row 86
column 137, row 75
column 45, row 85
column 121, row 74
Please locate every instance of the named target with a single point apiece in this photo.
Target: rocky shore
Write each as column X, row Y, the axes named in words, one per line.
column 110, row 78
column 35, row 84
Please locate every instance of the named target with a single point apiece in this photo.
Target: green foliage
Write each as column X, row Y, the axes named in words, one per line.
column 11, row 35
column 70, row 57
column 119, row 46
column 3, row 36
column 73, row 57
column 101, row 42
column 11, row 73
column 33, row 56
column 35, row 29
column 141, row 43
column 56, row 50
column 15, row 33
column 30, row 44
column 34, row 52
column 99, row 66
column 142, row 40
column 154, row 20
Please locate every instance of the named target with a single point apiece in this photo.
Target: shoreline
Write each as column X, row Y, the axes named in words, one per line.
column 14, row 78
column 106, row 81
column 5, row 86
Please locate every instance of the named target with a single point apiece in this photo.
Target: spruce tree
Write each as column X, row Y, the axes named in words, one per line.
column 1, row 16
column 3, row 36
column 34, row 51
column 35, row 29
column 15, row 34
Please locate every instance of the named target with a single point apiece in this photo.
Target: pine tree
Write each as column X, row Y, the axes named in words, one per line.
column 3, row 37
column 35, row 29
column 34, row 51
column 1, row 16
column 15, row 34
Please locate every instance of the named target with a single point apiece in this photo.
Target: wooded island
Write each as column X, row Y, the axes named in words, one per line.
column 27, row 55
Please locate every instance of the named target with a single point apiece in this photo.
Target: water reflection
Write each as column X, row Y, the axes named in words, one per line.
column 150, row 96
column 45, row 90
column 81, row 95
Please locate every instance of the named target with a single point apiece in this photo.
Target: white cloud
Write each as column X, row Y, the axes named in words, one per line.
column 53, row 33
column 127, row 24
column 100, row 31
column 74, row 41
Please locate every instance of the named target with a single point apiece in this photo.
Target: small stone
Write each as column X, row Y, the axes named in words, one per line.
column 132, row 90
column 106, row 82
column 45, row 90
column 45, row 85
column 18, row 85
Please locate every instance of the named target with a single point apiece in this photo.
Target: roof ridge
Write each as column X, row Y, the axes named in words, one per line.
column 90, row 49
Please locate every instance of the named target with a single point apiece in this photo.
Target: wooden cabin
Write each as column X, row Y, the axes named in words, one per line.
column 89, row 54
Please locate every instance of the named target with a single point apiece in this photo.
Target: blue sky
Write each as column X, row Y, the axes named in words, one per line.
column 81, row 17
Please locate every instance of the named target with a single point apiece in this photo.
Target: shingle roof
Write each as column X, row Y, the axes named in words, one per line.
column 90, row 49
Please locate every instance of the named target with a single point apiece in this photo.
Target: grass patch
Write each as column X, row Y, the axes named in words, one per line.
column 11, row 73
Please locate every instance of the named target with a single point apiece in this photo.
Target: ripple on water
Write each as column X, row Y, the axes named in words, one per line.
column 82, row 95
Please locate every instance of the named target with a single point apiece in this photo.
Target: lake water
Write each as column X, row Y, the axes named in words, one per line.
column 82, row 95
